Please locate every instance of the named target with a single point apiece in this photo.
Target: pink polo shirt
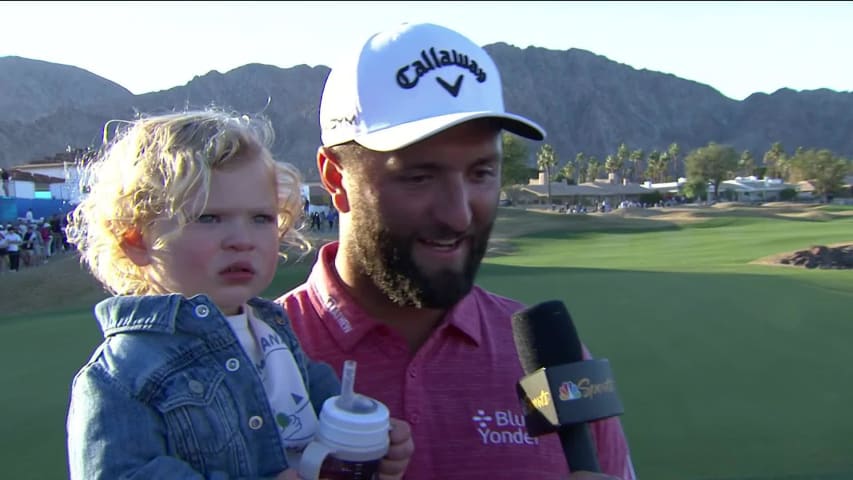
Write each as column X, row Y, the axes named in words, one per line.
column 457, row 392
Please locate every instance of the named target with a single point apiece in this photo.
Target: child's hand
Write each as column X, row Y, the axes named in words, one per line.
column 400, row 449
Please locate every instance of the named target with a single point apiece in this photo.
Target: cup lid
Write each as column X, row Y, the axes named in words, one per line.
column 364, row 427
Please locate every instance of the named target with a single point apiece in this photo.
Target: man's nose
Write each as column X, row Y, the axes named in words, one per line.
column 453, row 204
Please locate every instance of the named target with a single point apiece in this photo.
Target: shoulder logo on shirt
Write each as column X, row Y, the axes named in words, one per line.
column 338, row 315
column 502, row 427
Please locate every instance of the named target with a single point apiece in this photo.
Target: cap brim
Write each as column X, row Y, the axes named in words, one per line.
column 403, row 135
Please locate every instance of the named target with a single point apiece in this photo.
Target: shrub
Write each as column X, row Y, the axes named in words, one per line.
column 787, row 194
column 651, row 198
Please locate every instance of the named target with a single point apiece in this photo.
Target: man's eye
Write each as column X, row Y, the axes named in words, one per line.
column 207, row 218
column 415, row 179
column 482, row 173
column 264, row 218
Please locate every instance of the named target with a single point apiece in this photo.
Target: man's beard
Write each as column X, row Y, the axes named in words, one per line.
column 388, row 260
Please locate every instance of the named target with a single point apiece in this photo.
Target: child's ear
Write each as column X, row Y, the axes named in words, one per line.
column 332, row 177
column 134, row 247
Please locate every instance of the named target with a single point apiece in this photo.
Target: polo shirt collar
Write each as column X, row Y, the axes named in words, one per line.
column 349, row 323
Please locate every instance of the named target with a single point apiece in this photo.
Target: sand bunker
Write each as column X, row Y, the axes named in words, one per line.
column 836, row 256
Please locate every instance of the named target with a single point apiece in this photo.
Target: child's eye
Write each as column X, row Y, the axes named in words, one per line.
column 208, row 218
column 264, row 218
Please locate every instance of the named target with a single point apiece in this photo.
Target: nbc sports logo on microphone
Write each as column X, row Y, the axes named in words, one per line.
column 569, row 391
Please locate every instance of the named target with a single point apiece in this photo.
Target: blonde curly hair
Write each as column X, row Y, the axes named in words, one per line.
column 159, row 167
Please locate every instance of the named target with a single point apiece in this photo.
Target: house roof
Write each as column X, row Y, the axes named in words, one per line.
column 598, row 188
column 38, row 166
column 748, row 185
column 20, row 175
column 805, row 186
column 77, row 155
column 619, row 188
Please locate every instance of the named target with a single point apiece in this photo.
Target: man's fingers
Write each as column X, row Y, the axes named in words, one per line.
column 392, row 469
column 400, row 430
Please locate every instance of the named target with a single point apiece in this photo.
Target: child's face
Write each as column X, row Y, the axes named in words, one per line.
column 230, row 253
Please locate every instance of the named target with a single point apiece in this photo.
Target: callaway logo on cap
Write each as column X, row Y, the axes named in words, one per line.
column 409, row 83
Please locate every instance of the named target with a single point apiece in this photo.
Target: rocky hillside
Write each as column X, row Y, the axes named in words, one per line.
column 586, row 102
column 32, row 89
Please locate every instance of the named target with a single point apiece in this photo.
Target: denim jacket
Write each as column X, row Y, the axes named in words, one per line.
column 170, row 394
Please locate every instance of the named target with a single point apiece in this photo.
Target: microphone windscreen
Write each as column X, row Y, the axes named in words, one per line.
column 545, row 336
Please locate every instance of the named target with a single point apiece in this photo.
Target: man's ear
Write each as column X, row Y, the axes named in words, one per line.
column 134, row 247
column 331, row 174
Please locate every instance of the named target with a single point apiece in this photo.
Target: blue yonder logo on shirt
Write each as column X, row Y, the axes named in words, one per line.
column 502, row 427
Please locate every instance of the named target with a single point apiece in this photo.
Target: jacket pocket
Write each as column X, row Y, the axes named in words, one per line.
column 202, row 420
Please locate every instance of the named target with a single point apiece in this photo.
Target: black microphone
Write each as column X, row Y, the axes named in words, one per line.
column 560, row 391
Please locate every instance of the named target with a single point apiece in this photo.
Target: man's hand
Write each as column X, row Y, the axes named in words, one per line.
column 289, row 474
column 400, row 450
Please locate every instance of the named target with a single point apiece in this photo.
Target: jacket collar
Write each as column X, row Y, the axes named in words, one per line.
column 170, row 313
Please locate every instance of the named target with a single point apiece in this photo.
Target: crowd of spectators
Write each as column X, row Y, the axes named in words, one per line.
column 29, row 242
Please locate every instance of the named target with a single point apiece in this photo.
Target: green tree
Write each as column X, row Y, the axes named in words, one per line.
column 712, row 163
column 696, row 189
column 785, row 168
column 773, row 158
column 746, row 164
column 546, row 160
column 592, row 169
column 514, row 169
column 822, row 168
column 567, row 173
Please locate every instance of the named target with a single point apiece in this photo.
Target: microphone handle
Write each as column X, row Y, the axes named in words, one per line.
column 578, row 448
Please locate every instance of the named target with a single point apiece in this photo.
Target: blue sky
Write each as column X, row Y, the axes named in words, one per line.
column 739, row 48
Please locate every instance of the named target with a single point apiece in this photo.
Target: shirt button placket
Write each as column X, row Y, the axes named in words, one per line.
column 413, row 396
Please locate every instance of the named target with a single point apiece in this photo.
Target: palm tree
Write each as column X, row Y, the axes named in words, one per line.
column 773, row 158
column 622, row 154
column 636, row 164
column 656, row 170
column 746, row 164
column 672, row 153
column 546, row 159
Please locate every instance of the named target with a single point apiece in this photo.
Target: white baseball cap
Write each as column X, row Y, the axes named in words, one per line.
column 409, row 83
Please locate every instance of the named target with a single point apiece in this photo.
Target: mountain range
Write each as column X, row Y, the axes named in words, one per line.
column 586, row 102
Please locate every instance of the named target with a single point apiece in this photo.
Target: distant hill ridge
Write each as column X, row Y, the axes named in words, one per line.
column 585, row 101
